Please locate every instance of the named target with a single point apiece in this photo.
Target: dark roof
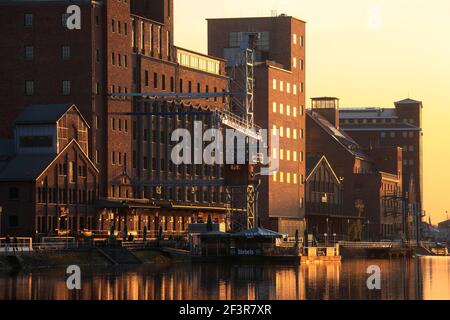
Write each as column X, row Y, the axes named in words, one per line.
column 25, row 167
column 408, row 101
column 6, row 147
column 42, row 114
column 257, row 233
column 399, row 126
column 311, row 161
column 340, row 136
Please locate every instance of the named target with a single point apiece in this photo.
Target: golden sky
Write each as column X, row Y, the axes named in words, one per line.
column 369, row 53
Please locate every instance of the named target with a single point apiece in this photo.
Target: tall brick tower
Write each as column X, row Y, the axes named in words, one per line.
column 279, row 106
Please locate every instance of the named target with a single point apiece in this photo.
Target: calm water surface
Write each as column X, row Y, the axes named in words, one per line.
column 419, row 278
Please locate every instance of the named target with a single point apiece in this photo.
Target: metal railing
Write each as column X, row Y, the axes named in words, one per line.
column 370, row 245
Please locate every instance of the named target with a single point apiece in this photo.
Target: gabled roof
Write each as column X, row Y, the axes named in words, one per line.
column 408, row 101
column 344, row 140
column 312, row 163
column 45, row 113
column 25, row 167
column 29, row 167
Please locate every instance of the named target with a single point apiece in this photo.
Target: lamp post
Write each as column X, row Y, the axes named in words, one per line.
column 327, row 224
column 1, row 212
column 348, row 229
column 334, row 238
column 326, row 239
column 368, row 229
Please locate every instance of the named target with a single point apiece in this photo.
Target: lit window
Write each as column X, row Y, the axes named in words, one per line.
column 301, row 41
column 288, row 110
column 281, row 108
column 288, row 177
column 274, row 84
column 288, row 87
column 281, row 86
column 281, row 132
column 274, row 153
column 281, row 154
column 274, row 177
column 295, row 156
column 274, row 130
column 288, row 155
column 295, row 89
column 274, row 107
column 288, row 133
column 294, row 62
column 295, row 134
column 294, row 111
column 295, row 178
column 281, row 177
column 294, row 38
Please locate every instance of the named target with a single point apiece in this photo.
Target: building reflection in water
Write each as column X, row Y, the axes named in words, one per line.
column 424, row 278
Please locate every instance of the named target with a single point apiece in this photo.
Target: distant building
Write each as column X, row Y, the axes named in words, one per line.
column 372, row 179
column 279, row 100
column 393, row 127
column 48, row 185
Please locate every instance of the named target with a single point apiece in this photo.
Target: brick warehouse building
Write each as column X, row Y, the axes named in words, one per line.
column 122, row 47
column 398, row 127
column 371, row 177
column 279, row 97
column 45, row 170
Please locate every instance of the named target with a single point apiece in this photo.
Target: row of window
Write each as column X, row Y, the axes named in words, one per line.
column 393, row 134
column 50, row 224
column 29, row 53
column 301, row 63
column 288, row 110
column 117, row 26
column 286, row 155
column 30, row 87
column 282, row 86
column 122, row 59
column 119, row 158
column 287, row 177
column 383, row 120
column 297, row 40
column 119, row 125
column 286, row 132
column 65, row 196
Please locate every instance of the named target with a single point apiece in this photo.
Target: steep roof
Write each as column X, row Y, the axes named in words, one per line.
column 28, row 167
column 45, row 113
column 313, row 161
column 340, row 136
column 25, row 167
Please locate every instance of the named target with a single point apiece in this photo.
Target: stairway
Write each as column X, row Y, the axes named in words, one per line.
column 119, row 256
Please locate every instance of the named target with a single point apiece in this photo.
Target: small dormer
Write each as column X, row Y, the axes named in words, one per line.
column 47, row 129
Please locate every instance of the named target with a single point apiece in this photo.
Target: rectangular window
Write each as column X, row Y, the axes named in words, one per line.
column 274, row 107
column 155, row 80
column 29, row 87
column 65, row 52
column 274, row 84
column 28, row 20
column 66, row 87
column 29, row 53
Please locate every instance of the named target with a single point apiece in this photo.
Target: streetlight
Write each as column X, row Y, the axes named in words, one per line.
column 326, row 241
column 334, row 236
column 348, row 229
